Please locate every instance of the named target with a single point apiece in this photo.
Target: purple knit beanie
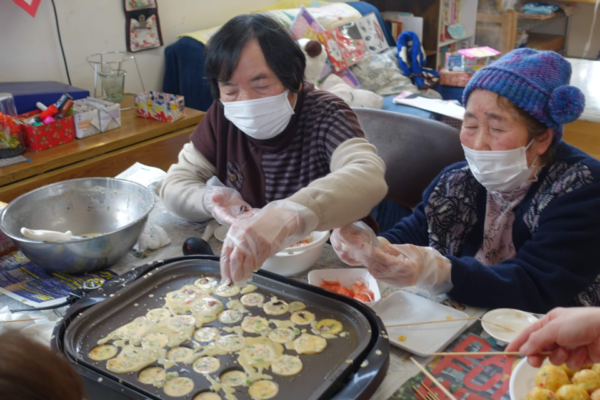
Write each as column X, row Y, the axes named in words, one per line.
column 537, row 82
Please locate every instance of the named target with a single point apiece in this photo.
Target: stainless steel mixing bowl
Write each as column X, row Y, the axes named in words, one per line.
column 113, row 209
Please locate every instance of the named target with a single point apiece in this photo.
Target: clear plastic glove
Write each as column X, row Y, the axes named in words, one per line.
column 251, row 241
column 352, row 241
column 572, row 335
column 399, row 265
column 225, row 204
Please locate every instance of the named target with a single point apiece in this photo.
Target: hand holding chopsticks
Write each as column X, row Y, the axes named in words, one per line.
column 450, row 320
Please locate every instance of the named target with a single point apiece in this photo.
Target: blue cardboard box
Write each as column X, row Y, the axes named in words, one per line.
column 27, row 94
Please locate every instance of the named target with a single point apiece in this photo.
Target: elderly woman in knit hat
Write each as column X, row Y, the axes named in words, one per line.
column 274, row 157
column 518, row 224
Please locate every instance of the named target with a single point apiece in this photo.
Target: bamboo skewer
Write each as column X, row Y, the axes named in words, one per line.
column 437, row 383
column 433, row 395
column 487, row 353
column 20, row 320
column 450, row 320
column 428, row 396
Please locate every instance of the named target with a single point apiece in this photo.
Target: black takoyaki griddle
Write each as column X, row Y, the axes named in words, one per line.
column 351, row 367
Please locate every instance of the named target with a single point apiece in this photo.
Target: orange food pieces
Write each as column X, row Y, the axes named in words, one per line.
column 359, row 289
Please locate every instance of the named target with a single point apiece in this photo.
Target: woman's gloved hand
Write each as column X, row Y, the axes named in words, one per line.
column 351, row 242
column 399, row 265
column 224, row 203
column 251, row 241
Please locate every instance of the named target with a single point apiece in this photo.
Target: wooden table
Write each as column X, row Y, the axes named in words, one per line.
column 107, row 154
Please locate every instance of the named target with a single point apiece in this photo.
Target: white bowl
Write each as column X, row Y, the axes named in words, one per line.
column 516, row 320
column 295, row 260
column 346, row 277
column 522, row 379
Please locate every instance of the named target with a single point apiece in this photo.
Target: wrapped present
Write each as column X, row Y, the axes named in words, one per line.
column 38, row 138
column 160, row 106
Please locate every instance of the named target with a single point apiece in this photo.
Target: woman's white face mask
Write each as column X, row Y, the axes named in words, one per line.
column 262, row 118
column 500, row 171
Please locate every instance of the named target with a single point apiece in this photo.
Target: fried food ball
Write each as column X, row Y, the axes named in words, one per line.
column 551, row 377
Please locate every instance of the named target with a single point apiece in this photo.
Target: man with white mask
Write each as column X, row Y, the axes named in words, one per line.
column 274, row 158
column 517, row 225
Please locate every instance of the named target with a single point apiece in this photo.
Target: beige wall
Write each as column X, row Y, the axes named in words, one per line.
column 29, row 48
column 579, row 30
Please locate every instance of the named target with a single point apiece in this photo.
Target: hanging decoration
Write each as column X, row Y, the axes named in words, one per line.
column 142, row 26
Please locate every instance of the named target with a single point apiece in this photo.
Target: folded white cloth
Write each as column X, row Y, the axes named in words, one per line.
column 153, row 237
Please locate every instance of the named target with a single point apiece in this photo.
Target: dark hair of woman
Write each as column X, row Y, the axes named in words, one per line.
column 282, row 53
column 31, row 371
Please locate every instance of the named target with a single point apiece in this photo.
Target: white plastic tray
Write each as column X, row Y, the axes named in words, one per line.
column 403, row 308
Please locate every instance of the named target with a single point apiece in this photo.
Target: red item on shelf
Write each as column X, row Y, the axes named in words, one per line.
column 49, row 112
column 38, row 138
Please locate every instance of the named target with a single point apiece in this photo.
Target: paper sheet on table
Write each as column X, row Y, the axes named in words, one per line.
column 33, row 286
column 442, row 107
column 142, row 174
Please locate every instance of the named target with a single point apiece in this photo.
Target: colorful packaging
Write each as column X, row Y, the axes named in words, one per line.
column 160, row 106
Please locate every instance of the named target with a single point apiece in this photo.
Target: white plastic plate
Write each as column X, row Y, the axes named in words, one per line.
column 404, row 308
column 516, row 320
column 346, row 277
column 522, row 379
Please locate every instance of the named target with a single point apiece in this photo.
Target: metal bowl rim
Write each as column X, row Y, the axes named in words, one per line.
column 26, row 240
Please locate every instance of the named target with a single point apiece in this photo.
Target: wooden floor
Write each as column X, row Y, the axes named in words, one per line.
column 584, row 135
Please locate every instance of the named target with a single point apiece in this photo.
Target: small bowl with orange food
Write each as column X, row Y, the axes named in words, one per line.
column 356, row 283
column 298, row 257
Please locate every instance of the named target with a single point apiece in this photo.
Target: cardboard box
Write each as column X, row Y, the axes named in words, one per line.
column 87, row 122
column 109, row 113
column 456, row 79
column 470, row 60
column 38, row 138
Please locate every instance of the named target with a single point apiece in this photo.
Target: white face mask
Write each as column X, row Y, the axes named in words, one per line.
column 260, row 118
column 500, row 171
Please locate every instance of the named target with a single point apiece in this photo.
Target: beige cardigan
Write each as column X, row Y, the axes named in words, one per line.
column 348, row 193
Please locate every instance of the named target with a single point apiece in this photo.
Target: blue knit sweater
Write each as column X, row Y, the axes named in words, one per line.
column 556, row 233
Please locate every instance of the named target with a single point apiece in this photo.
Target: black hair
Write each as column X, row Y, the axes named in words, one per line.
column 283, row 55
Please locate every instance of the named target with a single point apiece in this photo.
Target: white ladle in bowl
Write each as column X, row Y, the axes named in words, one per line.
column 49, row 236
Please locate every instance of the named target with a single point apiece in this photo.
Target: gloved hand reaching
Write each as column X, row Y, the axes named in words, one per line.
column 251, row 241
column 225, row 204
column 399, row 265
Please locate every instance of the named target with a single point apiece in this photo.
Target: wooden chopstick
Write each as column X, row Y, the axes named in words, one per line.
column 450, row 320
column 21, row 320
column 437, row 383
column 487, row 353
